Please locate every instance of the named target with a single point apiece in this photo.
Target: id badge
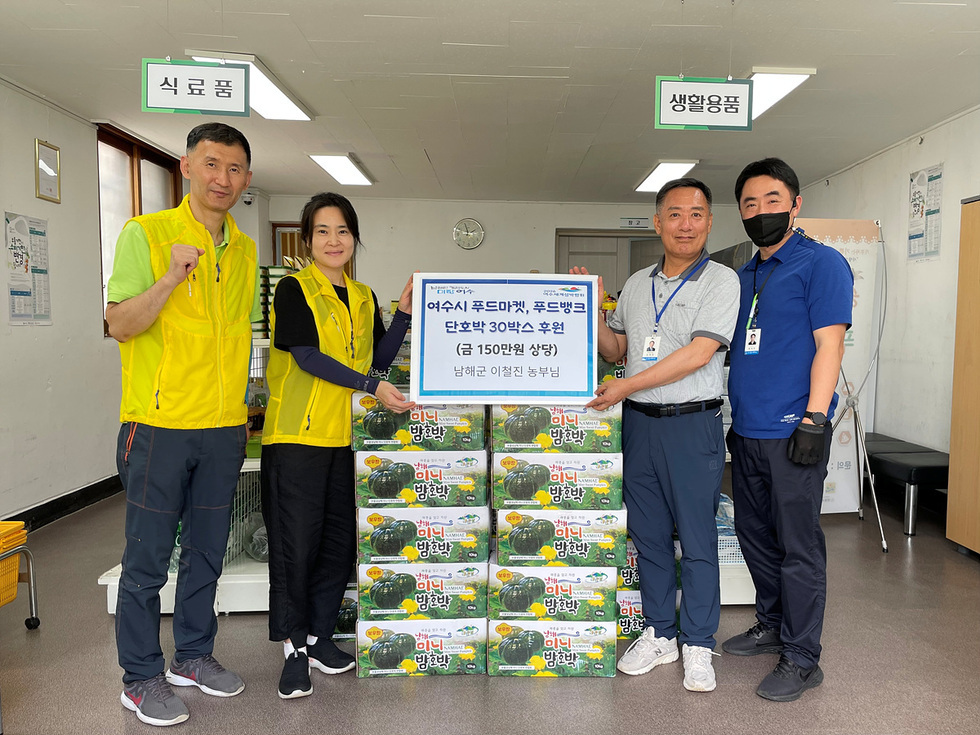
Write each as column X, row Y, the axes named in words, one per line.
column 651, row 347
column 753, row 337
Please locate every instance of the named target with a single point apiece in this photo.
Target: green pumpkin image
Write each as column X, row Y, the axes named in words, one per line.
column 520, row 428
column 386, row 541
column 380, row 423
column 534, row 639
column 385, row 482
column 515, row 650
column 384, row 654
column 347, row 617
column 386, row 593
column 515, row 597
column 519, row 485
column 534, row 585
column 524, row 541
column 540, row 416
column 406, row 530
column 539, row 473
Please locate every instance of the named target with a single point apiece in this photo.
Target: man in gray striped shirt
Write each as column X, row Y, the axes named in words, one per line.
column 674, row 322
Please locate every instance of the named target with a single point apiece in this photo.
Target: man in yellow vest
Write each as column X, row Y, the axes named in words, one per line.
column 181, row 297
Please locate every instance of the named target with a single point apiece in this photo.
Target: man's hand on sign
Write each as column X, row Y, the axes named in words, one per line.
column 610, row 393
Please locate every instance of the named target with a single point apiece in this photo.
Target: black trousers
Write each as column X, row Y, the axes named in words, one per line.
column 777, row 521
column 308, row 506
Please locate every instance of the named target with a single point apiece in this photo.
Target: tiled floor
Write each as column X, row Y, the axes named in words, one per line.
column 901, row 655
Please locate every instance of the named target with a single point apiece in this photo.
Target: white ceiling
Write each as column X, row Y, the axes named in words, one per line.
column 528, row 100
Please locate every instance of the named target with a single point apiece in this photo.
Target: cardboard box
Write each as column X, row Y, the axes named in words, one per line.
column 587, row 538
column 553, row 593
column 629, row 623
column 551, row 648
column 423, row 535
column 557, row 481
column 420, row 479
column 629, row 573
column 421, row 647
column 347, row 619
column 435, row 427
column 422, row 591
column 609, row 370
column 566, row 429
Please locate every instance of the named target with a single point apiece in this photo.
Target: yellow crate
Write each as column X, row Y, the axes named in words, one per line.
column 12, row 535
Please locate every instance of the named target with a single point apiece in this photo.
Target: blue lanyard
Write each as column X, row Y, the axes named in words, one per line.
column 659, row 313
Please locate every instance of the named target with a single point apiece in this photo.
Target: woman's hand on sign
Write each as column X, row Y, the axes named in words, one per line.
column 405, row 300
column 392, row 398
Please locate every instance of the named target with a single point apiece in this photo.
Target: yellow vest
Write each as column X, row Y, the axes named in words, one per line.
column 304, row 409
column 189, row 369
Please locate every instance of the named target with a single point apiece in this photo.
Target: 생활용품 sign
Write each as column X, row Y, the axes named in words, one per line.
column 494, row 338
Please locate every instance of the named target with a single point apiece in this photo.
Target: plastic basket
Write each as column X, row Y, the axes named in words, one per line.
column 12, row 535
column 729, row 551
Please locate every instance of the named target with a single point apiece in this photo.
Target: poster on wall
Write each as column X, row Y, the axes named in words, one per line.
column 28, row 283
column 857, row 241
column 503, row 338
column 925, row 208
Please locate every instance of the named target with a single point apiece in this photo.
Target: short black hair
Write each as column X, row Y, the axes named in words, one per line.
column 328, row 199
column 775, row 168
column 685, row 183
column 219, row 133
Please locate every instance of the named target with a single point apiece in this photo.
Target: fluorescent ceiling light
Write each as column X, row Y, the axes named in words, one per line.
column 664, row 172
column 343, row 169
column 266, row 94
column 771, row 85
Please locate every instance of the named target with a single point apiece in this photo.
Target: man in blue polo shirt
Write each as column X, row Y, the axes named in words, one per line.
column 786, row 354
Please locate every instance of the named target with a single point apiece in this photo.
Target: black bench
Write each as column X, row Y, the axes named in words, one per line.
column 927, row 468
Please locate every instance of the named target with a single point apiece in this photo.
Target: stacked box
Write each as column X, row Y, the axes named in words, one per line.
column 421, row 647
column 551, row 648
column 557, row 481
column 629, row 624
column 420, row 479
column 346, row 628
column 436, row 427
column 551, row 593
column 566, row 429
column 423, row 535
column 399, row 373
column 629, row 575
column 561, row 538
column 422, row 591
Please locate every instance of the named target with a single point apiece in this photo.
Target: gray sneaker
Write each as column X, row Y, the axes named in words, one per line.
column 699, row 674
column 646, row 652
column 206, row 674
column 154, row 702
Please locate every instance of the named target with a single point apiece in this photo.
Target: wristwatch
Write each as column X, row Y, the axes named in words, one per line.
column 818, row 419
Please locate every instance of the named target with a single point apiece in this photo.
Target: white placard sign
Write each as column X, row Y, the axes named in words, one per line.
column 195, row 87
column 503, row 338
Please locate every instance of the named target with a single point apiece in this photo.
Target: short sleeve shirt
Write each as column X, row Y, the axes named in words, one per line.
column 804, row 286
column 132, row 273
column 704, row 306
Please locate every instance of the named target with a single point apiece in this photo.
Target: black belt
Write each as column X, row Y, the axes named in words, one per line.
column 656, row 410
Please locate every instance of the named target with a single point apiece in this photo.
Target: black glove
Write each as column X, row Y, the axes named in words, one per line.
column 806, row 445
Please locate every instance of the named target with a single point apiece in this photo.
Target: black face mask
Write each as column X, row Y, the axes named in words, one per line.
column 766, row 229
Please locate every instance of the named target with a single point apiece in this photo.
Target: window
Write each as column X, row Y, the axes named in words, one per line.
column 134, row 178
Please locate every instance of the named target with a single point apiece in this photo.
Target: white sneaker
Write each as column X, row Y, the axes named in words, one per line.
column 646, row 652
column 699, row 674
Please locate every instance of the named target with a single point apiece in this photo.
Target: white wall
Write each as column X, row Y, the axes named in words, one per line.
column 59, row 394
column 915, row 372
column 402, row 236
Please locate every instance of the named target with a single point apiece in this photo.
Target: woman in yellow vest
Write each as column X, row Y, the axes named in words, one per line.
column 326, row 333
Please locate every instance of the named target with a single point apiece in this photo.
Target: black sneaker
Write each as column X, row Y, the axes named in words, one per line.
column 326, row 657
column 154, row 702
column 788, row 681
column 757, row 639
column 295, row 680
